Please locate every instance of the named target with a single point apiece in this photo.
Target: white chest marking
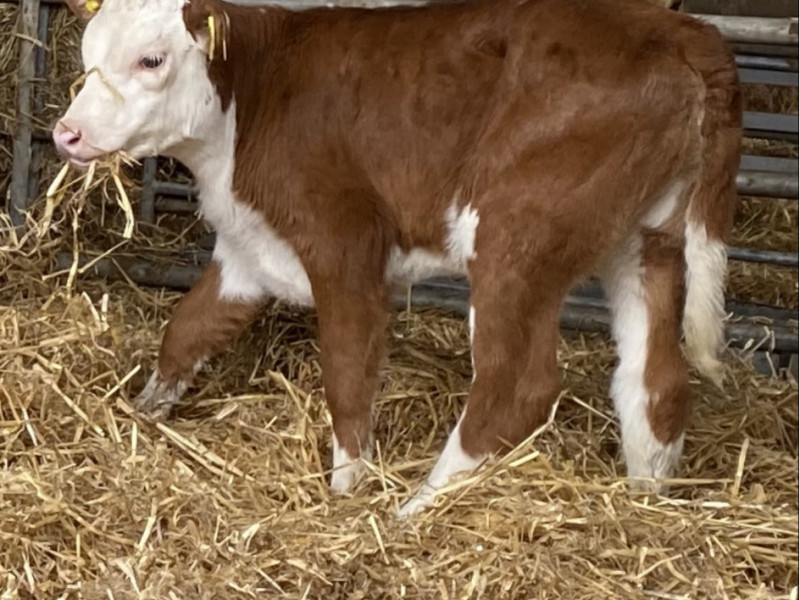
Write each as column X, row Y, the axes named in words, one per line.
column 256, row 262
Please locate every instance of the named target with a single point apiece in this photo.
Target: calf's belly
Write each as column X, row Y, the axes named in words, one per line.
column 257, row 266
column 256, row 262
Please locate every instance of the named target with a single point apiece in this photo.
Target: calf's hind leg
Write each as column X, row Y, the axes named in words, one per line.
column 514, row 330
column 645, row 287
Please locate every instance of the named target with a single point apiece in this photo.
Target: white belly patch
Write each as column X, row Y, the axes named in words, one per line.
column 420, row 263
column 257, row 263
column 409, row 267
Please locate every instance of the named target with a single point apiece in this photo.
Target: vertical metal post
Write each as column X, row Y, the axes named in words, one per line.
column 20, row 170
column 147, row 208
column 38, row 98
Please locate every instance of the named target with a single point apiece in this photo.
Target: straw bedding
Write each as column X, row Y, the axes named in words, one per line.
column 228, row 498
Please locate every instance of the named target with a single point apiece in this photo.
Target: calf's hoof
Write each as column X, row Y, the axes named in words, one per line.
column 347, row 470
column 647, row 486
column 422, row 500
column 159, row 397
column 344, row 478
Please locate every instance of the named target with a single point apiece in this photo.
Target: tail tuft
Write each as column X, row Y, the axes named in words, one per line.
column 709, row 218
column 704, row 315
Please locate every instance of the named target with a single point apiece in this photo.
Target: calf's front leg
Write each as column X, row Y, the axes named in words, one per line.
column 346, row 266
column 352, row 326
column 205, row 321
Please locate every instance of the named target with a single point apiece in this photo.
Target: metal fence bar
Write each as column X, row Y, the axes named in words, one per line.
column 771, row 122
column 591, row 292
column 767, row 63
column 770, row 257
column 40, row 72
column 769, row 164
column 584, row 314
column 26, row 73
column 172, row 205
column 768, row 185
column 757, row 30
column 765, row 77
column 588, row 313
column 770, row 126
column 772, row 50
column 743, row 8
column 761, row 176
column 147, row 202
column 178, row 190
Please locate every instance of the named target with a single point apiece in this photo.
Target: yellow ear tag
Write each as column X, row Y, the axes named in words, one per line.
column 92, row 6
column 226, row 25
column 212, row 32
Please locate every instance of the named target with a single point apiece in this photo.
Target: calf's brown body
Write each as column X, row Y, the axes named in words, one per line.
column 560, row 124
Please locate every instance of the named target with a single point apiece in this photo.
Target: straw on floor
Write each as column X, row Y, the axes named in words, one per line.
column 228, row 499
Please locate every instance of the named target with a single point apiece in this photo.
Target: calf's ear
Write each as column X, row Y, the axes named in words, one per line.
column 84, row 9
column 207, row 22
column 195, row 16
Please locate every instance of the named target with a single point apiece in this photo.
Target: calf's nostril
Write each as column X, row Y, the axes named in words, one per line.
column 66, row 137
column 71, row 138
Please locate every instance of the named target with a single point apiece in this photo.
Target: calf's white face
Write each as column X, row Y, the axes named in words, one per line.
column 146, row 91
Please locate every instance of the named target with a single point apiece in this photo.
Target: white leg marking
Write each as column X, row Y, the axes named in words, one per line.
column 452, row 461
column 346, row 469
column 472, row 338
column 471, row 323
column 645, row 456
column 704, row 316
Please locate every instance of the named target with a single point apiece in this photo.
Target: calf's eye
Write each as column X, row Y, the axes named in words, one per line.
column 151, row 62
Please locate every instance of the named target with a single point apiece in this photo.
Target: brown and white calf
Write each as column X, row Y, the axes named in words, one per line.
column 524, row 143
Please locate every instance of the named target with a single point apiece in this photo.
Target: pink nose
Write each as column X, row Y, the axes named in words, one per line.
column 67, row 140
